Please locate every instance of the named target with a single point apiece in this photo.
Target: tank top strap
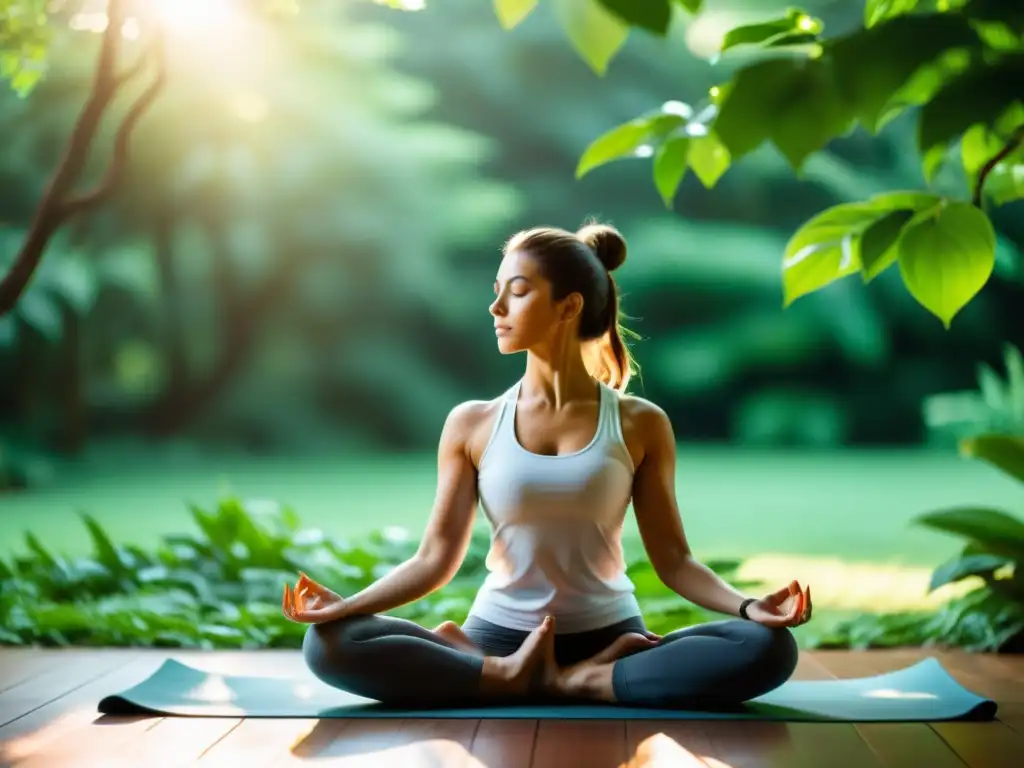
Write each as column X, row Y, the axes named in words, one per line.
column 611, row 404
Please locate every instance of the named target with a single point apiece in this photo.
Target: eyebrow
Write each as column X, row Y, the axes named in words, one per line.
column 514, row 278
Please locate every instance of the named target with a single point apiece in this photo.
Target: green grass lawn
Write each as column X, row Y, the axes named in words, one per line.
column 839, row 520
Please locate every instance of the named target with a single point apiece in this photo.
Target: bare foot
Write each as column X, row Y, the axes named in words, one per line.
column 592, row 678
column 452, row 632
column 523, row 671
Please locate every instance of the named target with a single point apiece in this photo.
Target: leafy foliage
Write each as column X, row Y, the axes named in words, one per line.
column 221, row 587
column 990, row 618
column 996, row 406
column 960, row 63
column 24, row 42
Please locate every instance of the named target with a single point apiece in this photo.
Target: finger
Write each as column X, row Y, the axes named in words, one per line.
column 781, row 594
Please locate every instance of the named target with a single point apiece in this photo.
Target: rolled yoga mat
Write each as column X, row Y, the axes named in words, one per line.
column 921, row 692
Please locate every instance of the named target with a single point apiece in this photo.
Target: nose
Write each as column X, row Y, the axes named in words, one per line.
column 496, row 309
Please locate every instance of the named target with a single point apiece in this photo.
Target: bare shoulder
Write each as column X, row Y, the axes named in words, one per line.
column 646, row 426
column 469, row 425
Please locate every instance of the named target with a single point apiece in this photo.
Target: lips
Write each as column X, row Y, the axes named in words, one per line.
column 500, row 329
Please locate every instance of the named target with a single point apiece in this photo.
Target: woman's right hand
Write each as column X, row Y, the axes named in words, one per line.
column 311, row 603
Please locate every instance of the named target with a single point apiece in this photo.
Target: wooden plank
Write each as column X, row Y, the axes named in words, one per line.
column 907, row 744
column 982, row 674
column 19, row 665
column 420, row 743
column 167, row 742
column 984, row 745
column 505, row 743
column 97, row 745
column 262, row 742
column 668, row 743
column 56, row 719
column 64, row 673
column 593, row 743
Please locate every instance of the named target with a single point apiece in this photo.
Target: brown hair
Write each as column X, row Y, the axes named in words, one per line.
column 583, row 263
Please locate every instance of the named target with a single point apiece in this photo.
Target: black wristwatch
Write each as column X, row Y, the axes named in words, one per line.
column 743, row 606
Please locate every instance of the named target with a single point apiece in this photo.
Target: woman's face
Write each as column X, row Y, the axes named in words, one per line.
column 524, row 314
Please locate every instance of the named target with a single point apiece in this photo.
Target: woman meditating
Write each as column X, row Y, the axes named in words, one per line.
column 553, row 463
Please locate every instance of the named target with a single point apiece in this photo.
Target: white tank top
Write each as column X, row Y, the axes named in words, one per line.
column 556, row 527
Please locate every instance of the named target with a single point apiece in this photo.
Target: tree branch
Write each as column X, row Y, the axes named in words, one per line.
column 122, row 142
column 51, row 213
column 1015, row 141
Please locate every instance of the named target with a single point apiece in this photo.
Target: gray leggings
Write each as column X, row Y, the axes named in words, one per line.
column 400, row 663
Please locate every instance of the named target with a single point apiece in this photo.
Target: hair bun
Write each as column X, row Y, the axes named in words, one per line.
column 607, row 242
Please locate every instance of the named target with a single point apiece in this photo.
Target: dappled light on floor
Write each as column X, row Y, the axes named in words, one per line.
column 414, row 754
column 662, row 751
column 858, row 586
column 19, row 748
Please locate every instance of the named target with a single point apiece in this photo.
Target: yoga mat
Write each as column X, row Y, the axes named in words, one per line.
column 921, row 692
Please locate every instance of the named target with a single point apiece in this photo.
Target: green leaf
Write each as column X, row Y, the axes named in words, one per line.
column 670, row 164
column 999, row 532
column 628, row 139
column 652, row 15
column 961, row 567
column 1005, row 183
column 511, row 13
column 794, row 22
column 594, row 31
column 106, row 552
column 982, row 94
column 791, row 102
column 876, row 11
column 871, row 65
column 946, row 257
column 878, row 250
column 1005, row 452
column 709, row 158
column 822, row 250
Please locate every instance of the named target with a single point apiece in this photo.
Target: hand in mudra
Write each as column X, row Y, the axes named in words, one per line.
column 309, row 602
column 787, row 607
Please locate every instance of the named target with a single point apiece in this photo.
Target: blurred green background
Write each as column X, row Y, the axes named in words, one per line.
column 290, row 293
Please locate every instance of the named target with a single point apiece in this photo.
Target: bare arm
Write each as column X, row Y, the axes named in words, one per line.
column 657, row 515
column 448, row 531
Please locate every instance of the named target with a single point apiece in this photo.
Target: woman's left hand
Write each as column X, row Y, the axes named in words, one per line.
column 787, row 607
column 310, row 602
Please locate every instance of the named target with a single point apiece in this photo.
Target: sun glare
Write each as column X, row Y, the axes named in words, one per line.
column 194, row 16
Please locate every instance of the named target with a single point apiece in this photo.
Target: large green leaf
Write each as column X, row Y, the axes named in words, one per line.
column 829, row 246
column 872, row 65
column 999, row 532
column 791, row 102
column 878, row 243
column 1006, row 452
column 670, row 164
column 795, row 21
column 628, row 139
column 595, row 32
column 511, row 13
column 709, row 158
column 823, row 249
column 961, row 567
column 693, row 6
column 946, row 256
column 652, row 15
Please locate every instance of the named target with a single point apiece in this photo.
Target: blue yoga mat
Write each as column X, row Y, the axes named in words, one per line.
column 921, row 692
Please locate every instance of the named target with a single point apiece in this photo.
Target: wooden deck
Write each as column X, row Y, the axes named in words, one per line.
column 48, row 717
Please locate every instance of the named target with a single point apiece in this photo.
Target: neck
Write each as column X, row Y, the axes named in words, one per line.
column 557, row 374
